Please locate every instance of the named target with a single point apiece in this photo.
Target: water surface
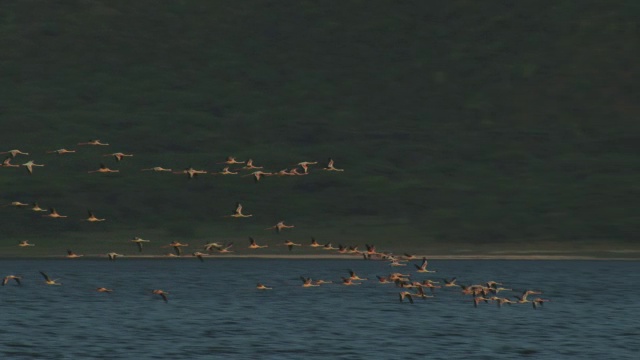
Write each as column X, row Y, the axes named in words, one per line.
column 214, row 311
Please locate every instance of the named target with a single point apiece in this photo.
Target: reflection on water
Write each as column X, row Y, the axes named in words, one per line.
column 215, row 310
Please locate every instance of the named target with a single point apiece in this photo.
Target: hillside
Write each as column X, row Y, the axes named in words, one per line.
column 458, row 124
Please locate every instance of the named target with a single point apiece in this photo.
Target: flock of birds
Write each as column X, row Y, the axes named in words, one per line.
column 409, row 289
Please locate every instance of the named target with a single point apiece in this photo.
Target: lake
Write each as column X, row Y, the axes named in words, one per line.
column 215, row 311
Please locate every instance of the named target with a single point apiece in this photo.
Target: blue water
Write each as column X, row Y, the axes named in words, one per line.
column 214, row 311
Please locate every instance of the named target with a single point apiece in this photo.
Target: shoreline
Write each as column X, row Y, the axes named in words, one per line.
column 549, row 257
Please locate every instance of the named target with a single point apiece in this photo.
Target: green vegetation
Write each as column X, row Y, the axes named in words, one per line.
column 459, row 123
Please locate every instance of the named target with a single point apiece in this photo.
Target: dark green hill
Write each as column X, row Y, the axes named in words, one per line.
column 456, row 123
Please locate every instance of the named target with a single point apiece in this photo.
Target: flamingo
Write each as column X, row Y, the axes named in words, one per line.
column 103, row 169
column 72, row 255
column 14, row 152
column 176, row 246
column 94, row 142
column 225, row 171
column 423, row 267
column 139, row 242
column 279, row 226
column 157, row 169
column 225, row 249
column 305, row 165
column 119, row 156
column 48, row 280
column 450, row 283
column 231, row 160
column 113, row 255
column 307, row 282
column 7, row 163
column 92, row 217
column 191, row 172
column 353, row 276
column 290, row 244
column 54, row 214
column 199, row 255
column 250, row 166
column 315, row 243
column 29, row 165
column 348, row 281
column 163, row 294
column 538, row 302
column 237, row 213
column 330, row 166
column 36, row 207
column 257, row 175
column 11, row 277
column 254, row 245
column 17, row 204
column 60, row 151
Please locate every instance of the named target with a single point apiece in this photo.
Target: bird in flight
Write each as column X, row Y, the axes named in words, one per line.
column 254, row 245
column 36, row 207
column 295, row 172
column 11, row 277
column 92, row 217
column 315, row 243
column 54, row 214
column 7, row 162
column 423, row 267
column 14, row 152
column 225, row 171
column 139, row 242
column 16, row 204
column 113, row 255
column 48, row 280
column 348, row 281
column 25, row 243
column 305, row 165
column 406, row 295
column 103, row 169
column 257, row 175
column 290, row 244
column 353, row 276
column 237, row 213
column 72, row 255
column 118, row 155
column 29, row 165
column 307, row 282
column 176, row 246
column 157, row 169
column 225, row 249
column 163, row 294
column 211, row 246
column 330, row 166
column 280, row 226
column 60, row 151
column 93, row 142
column 191, row 172
column 450, row 282
column 231, row 160
column 199, row 255
column 249, row 165
column 538, row 302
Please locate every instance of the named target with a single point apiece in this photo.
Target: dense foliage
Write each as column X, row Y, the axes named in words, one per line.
column 458, row 122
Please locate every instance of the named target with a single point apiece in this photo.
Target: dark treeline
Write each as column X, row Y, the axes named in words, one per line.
column 456, row 122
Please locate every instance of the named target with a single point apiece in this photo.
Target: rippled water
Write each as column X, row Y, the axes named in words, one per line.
column 214, row 311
